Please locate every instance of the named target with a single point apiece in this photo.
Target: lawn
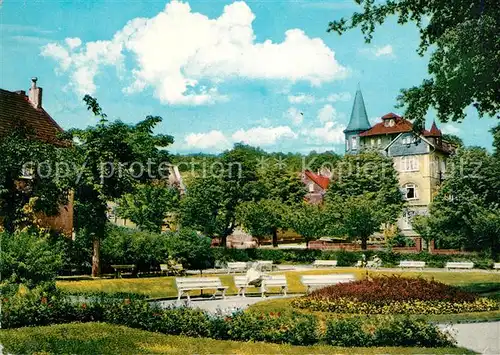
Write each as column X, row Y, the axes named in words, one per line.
column 164, row 287
column 101, row 338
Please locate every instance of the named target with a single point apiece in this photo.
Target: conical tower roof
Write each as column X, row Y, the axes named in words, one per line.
column 359, row 118
column 434, row 132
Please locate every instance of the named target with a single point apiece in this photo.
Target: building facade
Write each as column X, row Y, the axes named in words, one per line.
column 419, row 159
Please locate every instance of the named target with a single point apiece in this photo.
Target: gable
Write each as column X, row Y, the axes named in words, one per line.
column 408, row 144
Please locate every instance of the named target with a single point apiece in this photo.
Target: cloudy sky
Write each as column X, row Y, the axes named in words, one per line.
column 261, row 72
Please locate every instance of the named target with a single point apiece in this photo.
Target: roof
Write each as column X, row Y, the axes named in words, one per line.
column 359, row 118
column 400, row 125
column 434, row 132
column 17, row 109
column 321, row 181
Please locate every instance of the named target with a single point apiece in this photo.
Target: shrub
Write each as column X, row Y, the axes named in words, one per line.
column 191, row 249
column 346, row 332
column 28, row 258
column 407, row 332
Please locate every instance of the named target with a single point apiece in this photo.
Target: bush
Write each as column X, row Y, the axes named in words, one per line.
column 28, row 258
column 346, row 332
column 189, row 248
column 407, row 332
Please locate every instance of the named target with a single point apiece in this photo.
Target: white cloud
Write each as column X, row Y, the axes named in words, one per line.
column 210, row 140
column 73, row 42
column 342, row 96
column 295, row 116
column 327, row 113
column 262, row 136
column 331, row 132
column 177, row 49
column 379, row 51
column 301, row 99
column 450, row 129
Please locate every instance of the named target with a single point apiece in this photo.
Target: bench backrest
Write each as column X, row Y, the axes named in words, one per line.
column 460, row 265
column 496, row 266
column 276, row 280
column 240, row 281
column 207, row 282
column 325, row 262
column 265, row 262
column 327, row 279
column 236, row 265
column 410, row 263
column 166, row 267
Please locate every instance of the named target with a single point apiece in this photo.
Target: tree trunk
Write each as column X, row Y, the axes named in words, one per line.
column 364, row 243
column 96, row 263
column 223, row 241
column 275, row 237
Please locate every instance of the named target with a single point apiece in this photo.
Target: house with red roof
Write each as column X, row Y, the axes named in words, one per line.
column 17, row 108
column 419, row 158
column 316, row 185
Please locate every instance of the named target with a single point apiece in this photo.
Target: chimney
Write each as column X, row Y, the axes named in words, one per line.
column 35, row 94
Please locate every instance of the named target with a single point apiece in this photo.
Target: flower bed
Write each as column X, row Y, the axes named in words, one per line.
column 394, row 295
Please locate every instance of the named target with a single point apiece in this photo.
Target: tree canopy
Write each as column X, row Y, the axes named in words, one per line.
column 462, row 37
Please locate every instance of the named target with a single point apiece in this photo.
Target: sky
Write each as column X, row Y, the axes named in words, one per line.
column 265, row 73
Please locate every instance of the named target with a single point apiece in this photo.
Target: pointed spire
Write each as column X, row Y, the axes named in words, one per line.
column 435, row 132
column 359, row 118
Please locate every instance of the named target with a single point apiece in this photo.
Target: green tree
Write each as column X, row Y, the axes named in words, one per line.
column 148, row 205
column 462, row 37
column 309, row 221
column 358, row 216
column 423, row 226
column 460, row 213
column 453, row 139
column 43, row 191
column 191, row 249
column 263, row 218
column 113, row 157
column 373, row 173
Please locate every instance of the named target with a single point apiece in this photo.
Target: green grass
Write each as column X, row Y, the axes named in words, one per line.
column 101, row 338
column 164, row 287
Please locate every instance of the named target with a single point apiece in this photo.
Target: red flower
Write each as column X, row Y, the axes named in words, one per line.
column 5, row 300
column 279, row 314
column 260, row 318
column 84, row 305
column 271, row 314
column 44, row 300
column 227, row 319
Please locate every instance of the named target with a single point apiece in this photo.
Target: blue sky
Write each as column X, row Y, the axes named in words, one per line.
column 263, row 72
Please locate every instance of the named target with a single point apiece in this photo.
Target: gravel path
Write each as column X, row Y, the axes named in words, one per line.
column 481, row 337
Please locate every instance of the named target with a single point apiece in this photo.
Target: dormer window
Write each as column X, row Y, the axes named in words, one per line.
column 354, row 143
column 389, row 122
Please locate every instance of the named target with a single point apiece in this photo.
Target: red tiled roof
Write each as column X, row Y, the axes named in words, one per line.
column 400, row 125
column 16, row 109
column 321, row 181
column 434, row 132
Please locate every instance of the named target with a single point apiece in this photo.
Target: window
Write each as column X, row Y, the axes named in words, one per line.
column 346, row 145
column 379, row 141
column 311, row 187
column 407, row 218
column 409, row 163
column 410, row 191
column 354, row 143
column 372, row 142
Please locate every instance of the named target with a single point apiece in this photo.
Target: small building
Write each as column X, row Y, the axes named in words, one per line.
column 19, row 108
column 420, row 159
column 316, row 185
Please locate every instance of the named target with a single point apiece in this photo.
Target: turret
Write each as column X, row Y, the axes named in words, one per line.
column 357, row 124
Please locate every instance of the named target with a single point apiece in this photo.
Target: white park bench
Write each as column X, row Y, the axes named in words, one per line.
column 317, row 281
column 369, row 264
column 412, row 264
column 459, row 265
column 325, row 263
column 268, row 281
column 265, row 264
column 496, row 266
column 185, row 284
column 236, row 266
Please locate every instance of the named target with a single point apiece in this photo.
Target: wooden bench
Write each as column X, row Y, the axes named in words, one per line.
column 459, row 265
column 412, row 264
column 325, row 263
column 266, row 264
column 185, row 284
column 317, row 281
column 119, row 268
column 268, row 281
column 496, row 266
column 236, row 266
